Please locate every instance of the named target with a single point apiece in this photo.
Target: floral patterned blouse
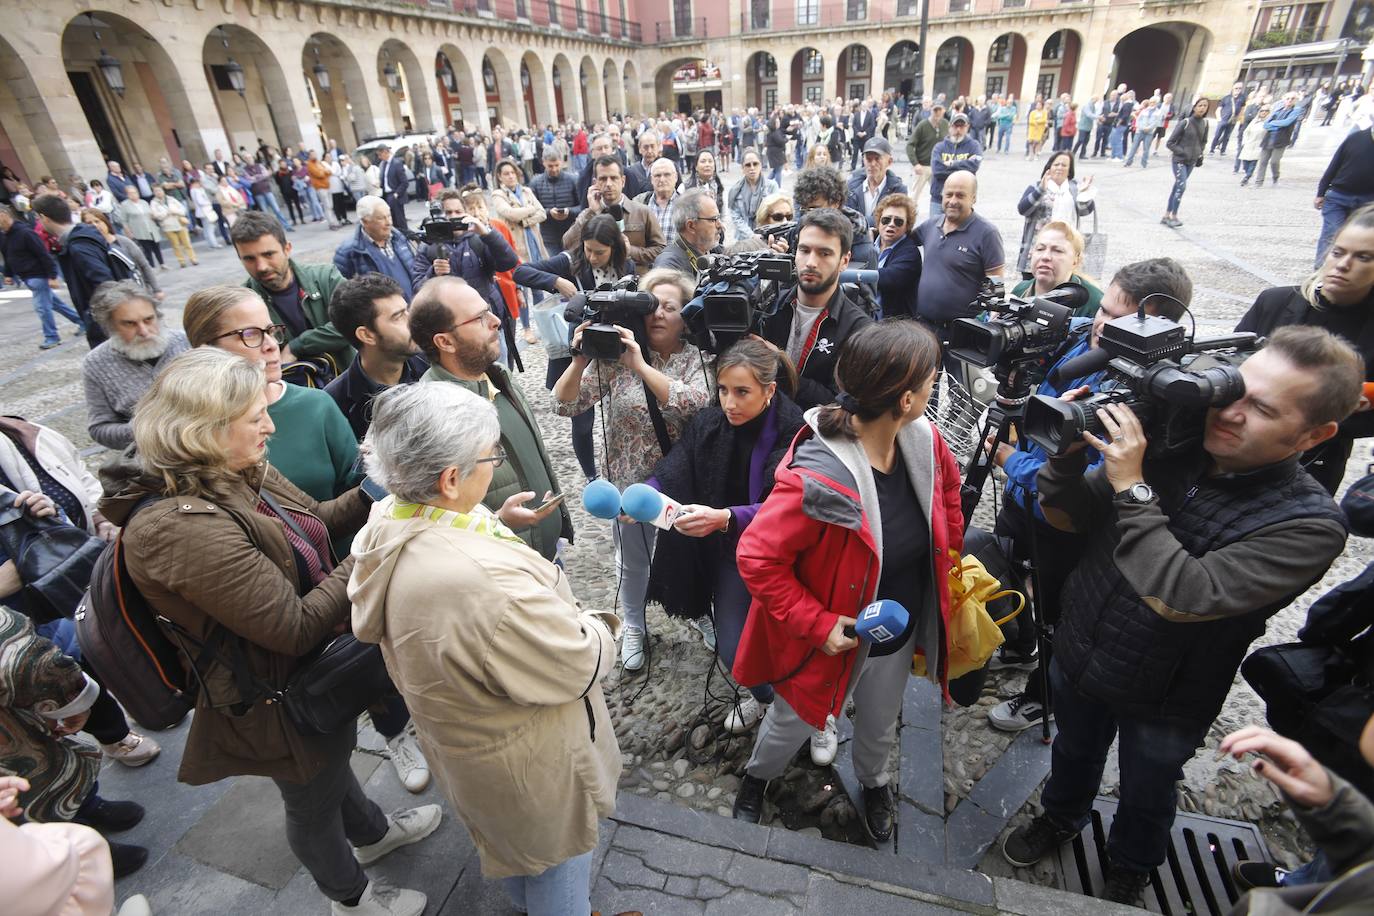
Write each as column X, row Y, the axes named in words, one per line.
column 632, row 448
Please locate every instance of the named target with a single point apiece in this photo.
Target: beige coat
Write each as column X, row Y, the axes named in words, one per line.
column 519, row 217
column 501, row 672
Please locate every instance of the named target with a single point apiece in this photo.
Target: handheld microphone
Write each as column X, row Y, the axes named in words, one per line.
column 1081, row 365
column 643, row 503
column 601, row 499
column 881, row 622
column 859, row 276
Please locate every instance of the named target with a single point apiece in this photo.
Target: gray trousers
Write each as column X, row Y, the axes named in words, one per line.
column 329, row 815
column 1270, row 159
column 876, row 687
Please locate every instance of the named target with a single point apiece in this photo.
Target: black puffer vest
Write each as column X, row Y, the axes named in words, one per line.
column 1114, row 648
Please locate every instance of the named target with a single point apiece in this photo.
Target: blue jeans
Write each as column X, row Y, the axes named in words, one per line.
column 730, row 611
column 1118, row 141
column 564, row 889
column 1142, row 139
column 312, row 197
column 1336, row 209
column 1151, row 755
column 1003, row 137
column 45, row 301
column 1318, row 871
column 777, row 175
column 268, row 200
column 1181, row 172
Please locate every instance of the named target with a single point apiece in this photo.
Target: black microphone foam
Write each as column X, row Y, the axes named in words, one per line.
column 1081, row 365
column 1069, row 294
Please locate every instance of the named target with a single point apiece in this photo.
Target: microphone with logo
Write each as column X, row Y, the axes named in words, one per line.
column 643, row 503
column 881, row 623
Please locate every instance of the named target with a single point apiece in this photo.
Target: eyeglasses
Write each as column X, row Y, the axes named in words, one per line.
column 495, row 460
column 254, row 337
column 714, row 219
column 480, row 316
column 779, row 217
column 898, row 221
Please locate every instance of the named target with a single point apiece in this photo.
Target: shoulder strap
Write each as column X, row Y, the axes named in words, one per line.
column 302, row 571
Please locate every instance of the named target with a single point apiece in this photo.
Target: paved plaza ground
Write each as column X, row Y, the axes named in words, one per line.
column 221, row 848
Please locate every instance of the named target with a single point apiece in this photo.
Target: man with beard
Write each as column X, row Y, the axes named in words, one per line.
column 297, row 295
column 120, row 370
column 815, row 317
column 371, row 311
column 460, row 336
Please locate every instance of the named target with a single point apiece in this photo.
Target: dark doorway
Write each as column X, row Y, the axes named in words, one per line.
column 89, row 99
column 713, row 99
column 1146, row 60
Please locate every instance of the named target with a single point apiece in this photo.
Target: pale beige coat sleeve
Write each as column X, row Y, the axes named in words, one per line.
column 56, row 868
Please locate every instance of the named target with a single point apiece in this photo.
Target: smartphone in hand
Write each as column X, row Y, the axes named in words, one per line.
column 553, row 500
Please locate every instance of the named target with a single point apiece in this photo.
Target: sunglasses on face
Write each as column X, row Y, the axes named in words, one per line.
column 898, row 221
column 779, row 217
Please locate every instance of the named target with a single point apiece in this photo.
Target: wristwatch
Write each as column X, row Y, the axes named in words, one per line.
column 1138, row 493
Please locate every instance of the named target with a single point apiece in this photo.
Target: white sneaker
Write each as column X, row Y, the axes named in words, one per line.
column 137, row 905
column 1016, row 714
column 707, row 628
column 745, row 715
column 134, row 750
column 381, row 899
column 632, row 648
column 824, row 743
column 411, row 767
column 403, row 828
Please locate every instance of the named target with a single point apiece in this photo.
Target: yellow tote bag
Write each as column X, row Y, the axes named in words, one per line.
column 973, row 634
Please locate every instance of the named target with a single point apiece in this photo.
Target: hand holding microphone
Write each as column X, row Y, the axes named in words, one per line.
column 882, row 622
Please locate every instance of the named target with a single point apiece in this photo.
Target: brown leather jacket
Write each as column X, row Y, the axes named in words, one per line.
column 193, row 562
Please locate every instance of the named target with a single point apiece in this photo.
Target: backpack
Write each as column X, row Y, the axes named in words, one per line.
column 121, row 641
column 122, row 267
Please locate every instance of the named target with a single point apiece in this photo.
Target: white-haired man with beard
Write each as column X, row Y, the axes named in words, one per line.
column 120, row 370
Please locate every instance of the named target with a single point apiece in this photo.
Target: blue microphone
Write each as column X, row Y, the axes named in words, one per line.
column 881, row 622
column 601, row 499
column 859, row 276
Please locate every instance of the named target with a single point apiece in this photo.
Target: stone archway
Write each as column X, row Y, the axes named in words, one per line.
column 633, row 98
column 1166, row 56
column 31, row 142
column 151, row 84
column 614, row 90
column 340, row 94
column 264, row 109
column 899, row 69
column 1059, row 63
column 535, row 90
column 808, row 76
column 761, row 81
column 411, row 103
column 953, row 69
column 461, row 104
column 1006, row 65
column 567, row 100
column 593, row 100
column 498, row 82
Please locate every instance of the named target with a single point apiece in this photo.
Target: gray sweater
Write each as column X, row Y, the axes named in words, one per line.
column 114, row 383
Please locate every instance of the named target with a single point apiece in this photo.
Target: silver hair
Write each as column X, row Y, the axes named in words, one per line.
column 369, row 204
column 688, row 206
column 650, row 135
column 419, row 430
column 111, row 294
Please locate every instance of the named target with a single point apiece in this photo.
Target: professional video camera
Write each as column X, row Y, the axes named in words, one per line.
column 1165, row 378
column 770, row 231
column 439, row 230
column 733, row 297
column 1026, row 330
column 605, row 307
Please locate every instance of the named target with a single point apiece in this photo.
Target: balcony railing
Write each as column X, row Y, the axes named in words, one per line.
column 792, row 15
column 686, row 28
column 1281, row 38
column 585, row 20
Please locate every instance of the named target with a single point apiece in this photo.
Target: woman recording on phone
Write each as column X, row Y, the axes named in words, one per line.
column 721, row 469
column 655, row 361
column 865, row 507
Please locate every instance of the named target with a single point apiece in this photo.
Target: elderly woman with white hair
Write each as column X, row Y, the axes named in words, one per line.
column 377, row 247
column 500, row 667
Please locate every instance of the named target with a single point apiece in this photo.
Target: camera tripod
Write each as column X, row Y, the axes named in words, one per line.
column 1005, row 414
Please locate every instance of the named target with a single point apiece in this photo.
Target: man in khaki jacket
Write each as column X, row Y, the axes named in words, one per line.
column 643, row 236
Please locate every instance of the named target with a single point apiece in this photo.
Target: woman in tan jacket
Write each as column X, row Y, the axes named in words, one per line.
column 517, row 207
column 499, row 666
column 212, row 554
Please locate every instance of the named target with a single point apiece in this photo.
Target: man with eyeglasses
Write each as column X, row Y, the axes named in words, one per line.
column 746, row 195
column 460, row 337
column 297, row 295
column 643, row 237
column 662, row 196
column 876, row 181
column 698, row 222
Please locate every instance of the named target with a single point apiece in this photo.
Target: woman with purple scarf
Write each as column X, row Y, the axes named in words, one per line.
column 722, row 468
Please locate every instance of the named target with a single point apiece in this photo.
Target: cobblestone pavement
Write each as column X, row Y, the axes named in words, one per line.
column 211, row 844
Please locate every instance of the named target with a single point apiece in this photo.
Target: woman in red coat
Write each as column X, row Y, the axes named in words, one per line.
column 865, row 506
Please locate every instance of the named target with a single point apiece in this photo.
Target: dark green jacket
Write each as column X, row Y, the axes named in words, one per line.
column 509, row 479
column 923, row 140
column 318, row 282
column 1086, row 310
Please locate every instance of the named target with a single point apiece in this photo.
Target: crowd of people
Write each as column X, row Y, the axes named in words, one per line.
column 349, row 447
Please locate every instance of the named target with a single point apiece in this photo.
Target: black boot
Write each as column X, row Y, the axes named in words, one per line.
column 749, row 799
column 109, row 816
column 127, row 859
column 878, row 812
column 1123, row 885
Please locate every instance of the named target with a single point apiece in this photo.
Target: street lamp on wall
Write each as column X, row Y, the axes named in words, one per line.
column 233, row 69
column 444, row 71
column 321, row 74
column 389, row 74
column 110, row 68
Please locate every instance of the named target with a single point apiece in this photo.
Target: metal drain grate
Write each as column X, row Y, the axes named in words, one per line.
column 1196, row 877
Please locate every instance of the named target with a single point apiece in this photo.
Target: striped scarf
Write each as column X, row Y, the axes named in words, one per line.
column 480, row 519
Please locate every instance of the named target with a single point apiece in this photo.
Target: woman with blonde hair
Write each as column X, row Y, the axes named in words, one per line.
column 126, row 248
column 225, row 549
column 819, row 154
column 1056, row 257
column 775, row 208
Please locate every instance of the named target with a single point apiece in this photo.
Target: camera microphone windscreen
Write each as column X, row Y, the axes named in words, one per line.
column 601, row 499
column 1068, row 294
column 1081, row 365
column 857, row 275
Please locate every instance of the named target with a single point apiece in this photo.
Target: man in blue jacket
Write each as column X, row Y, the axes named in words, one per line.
column 1165, row 288
column 957, row 152
column 1279, row 130
column 28, row 263
column 84, row 256
column 1229, row 111
column 377, row 247
column 875, row 182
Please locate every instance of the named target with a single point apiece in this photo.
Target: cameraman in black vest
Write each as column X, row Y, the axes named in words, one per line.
column 1175, row 586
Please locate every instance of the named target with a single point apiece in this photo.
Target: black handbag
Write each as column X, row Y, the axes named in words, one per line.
column 335, row 684
column 53, row 557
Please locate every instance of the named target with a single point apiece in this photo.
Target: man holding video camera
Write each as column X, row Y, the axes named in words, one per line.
column 812, row 319
column 1164, row 287
column 1176, row 584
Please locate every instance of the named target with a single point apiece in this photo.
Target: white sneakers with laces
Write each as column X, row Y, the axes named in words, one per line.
column 707, row 628
column 745, row 714
column 824, row 743
column 381, row 899
column 403, row 828
column 632, row 648
column 411, row 767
